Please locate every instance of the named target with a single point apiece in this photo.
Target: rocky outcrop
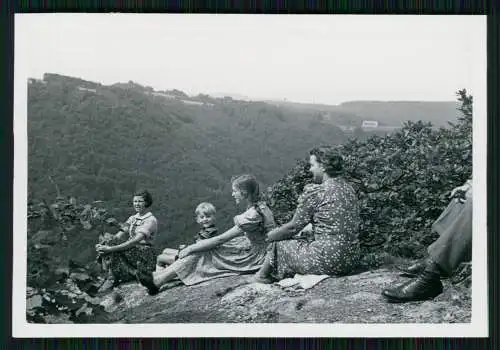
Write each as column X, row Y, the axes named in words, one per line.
column 350, row 299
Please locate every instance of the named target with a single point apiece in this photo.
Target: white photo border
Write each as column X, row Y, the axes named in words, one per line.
column 479, row 319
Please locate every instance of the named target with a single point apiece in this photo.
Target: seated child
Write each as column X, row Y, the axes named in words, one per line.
column 205, row 217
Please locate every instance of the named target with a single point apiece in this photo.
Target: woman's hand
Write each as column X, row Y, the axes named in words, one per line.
column 275, row 234
column 185, row 252
column 103, row 248
column 457, row 191
column 282, row 233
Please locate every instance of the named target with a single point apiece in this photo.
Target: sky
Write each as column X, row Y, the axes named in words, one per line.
column 318, row 58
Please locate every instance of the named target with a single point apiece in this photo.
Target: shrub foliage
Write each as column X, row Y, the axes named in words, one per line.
column 403, row 181
column 54, row 230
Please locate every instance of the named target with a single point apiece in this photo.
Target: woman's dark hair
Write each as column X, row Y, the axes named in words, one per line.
column 148, row 199
column 330, row 158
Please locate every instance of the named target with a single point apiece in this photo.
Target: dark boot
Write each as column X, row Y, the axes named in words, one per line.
column 413, row 270
column 427, row 286
column 146, row 279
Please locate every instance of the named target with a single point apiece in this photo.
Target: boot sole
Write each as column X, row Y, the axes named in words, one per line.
column 401, row 301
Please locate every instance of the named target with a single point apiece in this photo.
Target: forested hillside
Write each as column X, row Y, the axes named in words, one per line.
column 98, row 142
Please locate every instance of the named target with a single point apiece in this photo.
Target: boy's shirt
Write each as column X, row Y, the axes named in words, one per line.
column 207, row 232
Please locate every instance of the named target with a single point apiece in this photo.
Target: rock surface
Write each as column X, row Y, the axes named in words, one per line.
column 350, row 299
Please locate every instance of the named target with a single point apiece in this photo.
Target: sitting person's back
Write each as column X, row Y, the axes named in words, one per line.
column 331, row 209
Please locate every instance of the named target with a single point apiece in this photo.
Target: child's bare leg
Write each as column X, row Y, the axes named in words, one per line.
column 155, row 280
column 162, row 260
column 162, row 277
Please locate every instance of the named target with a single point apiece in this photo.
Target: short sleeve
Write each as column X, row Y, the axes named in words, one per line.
column 148, row 227
column 249, row 221
column 307, row 202
column 126, row 226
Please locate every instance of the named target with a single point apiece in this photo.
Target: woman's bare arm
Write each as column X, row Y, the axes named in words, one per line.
column 285, row 231
column 119, row 234
column 128, row 244
column 210, row 243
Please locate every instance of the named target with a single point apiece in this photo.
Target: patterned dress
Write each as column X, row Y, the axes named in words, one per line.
column 125, row 263
column 241, row 255
column 332, row 210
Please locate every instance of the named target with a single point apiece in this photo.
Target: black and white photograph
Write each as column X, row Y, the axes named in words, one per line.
column 249, row 175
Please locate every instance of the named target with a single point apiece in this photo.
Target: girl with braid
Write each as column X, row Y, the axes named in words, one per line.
column 239, row 250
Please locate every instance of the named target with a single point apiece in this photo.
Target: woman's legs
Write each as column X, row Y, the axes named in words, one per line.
column 104, row 264
column 109, row 280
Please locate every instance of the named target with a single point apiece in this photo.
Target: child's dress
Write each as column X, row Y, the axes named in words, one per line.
column 244, row 254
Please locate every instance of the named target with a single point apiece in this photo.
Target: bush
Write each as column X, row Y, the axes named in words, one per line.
column 403, row 181
column 62, row 232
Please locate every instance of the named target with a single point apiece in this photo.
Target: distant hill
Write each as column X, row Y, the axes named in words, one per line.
column 391, row 113
column 397, row 112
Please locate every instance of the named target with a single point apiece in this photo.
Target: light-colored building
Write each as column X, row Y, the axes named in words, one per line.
column 163, row 95
column 197, row 103
column 369, row 124
column 34, row 80
column 189, row 102
column 81, row 88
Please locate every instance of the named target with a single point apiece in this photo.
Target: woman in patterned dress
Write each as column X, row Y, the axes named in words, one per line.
column 121, row 261
column 331, row 208
column 239, row 250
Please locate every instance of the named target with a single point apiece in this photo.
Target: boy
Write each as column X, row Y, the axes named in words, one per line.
column 205, row 217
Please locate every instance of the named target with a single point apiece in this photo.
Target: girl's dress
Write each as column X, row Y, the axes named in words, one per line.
column 241, row 255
